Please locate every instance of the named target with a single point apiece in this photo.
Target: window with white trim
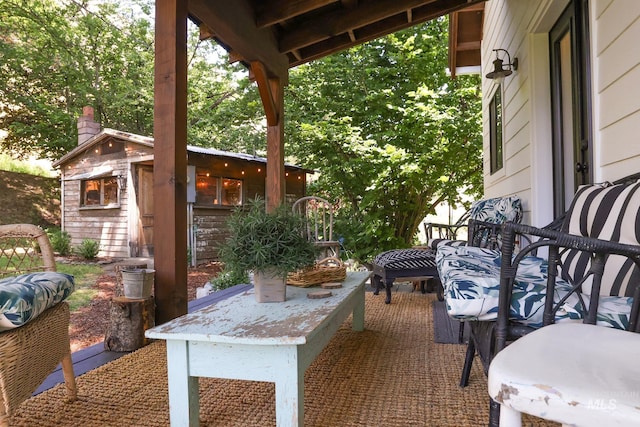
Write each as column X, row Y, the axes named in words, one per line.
column 100, row 192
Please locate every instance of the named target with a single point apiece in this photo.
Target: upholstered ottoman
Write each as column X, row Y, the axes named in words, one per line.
column 404, row 263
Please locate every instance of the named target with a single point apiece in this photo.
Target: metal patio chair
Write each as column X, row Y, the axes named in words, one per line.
column 318, row 215
column 421, row 262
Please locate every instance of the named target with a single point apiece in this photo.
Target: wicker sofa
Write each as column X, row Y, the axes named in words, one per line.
column 502, row 293
column 34, row 320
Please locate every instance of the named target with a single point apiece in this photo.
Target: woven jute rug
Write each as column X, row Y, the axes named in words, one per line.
column 391, row 374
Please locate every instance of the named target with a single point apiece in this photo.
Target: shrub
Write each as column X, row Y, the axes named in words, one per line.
column 263, row 241
column 88, row 249
column 61, row 242
column 228, row 278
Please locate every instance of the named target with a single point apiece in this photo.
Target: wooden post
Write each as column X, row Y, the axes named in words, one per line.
column 128, row 319
column 272, row 94
column 170, row 159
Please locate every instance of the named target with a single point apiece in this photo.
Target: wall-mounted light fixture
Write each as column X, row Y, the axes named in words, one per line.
column 122, row 181
column 499, row 72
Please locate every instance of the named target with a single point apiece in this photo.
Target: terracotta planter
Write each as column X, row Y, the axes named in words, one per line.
column 269, row 287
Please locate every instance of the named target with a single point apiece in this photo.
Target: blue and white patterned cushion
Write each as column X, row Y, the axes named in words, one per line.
column 497, row 210
column 24, row 297
column 471, row 277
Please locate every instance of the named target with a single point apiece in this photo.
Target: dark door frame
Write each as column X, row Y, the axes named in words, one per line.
column 575, row 21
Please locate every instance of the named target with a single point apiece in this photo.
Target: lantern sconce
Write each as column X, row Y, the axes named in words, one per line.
column 499, row 72
column 122, row 181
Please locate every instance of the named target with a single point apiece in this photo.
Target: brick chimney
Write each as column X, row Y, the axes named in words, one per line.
column 87, row 127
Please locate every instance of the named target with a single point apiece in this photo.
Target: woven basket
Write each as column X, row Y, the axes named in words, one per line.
column 329, row 269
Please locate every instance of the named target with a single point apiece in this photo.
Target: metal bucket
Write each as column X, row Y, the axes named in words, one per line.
column 138, row 283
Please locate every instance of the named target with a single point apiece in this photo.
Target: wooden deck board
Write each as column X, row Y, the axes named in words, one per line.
column 95, row 356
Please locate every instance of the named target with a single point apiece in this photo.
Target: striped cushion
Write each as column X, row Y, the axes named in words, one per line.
column 401, row 259
column 608, row 212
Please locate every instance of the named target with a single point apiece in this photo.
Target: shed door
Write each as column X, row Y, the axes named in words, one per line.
column 144, row 198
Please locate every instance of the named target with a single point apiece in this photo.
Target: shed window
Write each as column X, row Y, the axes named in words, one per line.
column 99, row 192
column 231, row 192
column 217, row 191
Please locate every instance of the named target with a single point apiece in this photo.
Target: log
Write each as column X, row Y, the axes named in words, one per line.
column 128, row 319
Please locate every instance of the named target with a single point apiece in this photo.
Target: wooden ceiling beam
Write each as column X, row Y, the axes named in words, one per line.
column 234, row 25
column 378, row 29
column 275, row 11
column 206, row 33
column 335, row 22
column 269, row 102
column 475, row 45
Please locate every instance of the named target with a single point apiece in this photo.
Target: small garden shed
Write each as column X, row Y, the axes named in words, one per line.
column 107, row 191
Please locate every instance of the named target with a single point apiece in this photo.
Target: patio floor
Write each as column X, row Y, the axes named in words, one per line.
column 392, row 374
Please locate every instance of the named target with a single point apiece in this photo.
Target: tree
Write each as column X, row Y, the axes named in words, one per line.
column 224, row 109
column 57, row 58
column 390, row 133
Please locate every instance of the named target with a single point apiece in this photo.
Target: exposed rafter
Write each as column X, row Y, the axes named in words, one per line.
column 299, row 31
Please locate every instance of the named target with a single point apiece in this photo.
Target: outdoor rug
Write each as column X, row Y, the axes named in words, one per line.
column 391, row 374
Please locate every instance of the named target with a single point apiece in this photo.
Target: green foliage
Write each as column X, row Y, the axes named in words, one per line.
column 263, row 241
column 60, row 56
column 228, row 278
column 391, row 134
column 60, row 240
column 85, row 276
column 88, row 249
column 8, row 163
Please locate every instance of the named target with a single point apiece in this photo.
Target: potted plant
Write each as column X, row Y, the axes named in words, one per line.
column 270, row 245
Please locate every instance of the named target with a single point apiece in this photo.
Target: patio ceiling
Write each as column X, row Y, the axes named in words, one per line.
column 282, row 34
column 269, row 37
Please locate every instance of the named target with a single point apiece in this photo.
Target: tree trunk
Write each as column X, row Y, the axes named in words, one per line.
column 129, row 318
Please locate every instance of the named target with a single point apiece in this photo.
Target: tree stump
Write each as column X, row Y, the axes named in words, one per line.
column 119, row 290
column 128, row 319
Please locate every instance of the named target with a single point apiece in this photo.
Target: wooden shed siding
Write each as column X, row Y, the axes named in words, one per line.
column 211, row 230
column 110, row 227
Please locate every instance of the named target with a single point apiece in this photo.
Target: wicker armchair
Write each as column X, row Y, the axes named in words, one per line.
column 29, row 353
column 589, row 265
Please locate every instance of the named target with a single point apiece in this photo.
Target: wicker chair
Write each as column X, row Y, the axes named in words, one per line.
column 501, row 293
column 485, row 215
column 29, row 353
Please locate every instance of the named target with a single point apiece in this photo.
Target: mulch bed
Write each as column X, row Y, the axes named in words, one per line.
column 89, row 323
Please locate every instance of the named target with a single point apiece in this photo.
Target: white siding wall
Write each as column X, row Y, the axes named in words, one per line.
column 616, row 53
column 521, row 27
